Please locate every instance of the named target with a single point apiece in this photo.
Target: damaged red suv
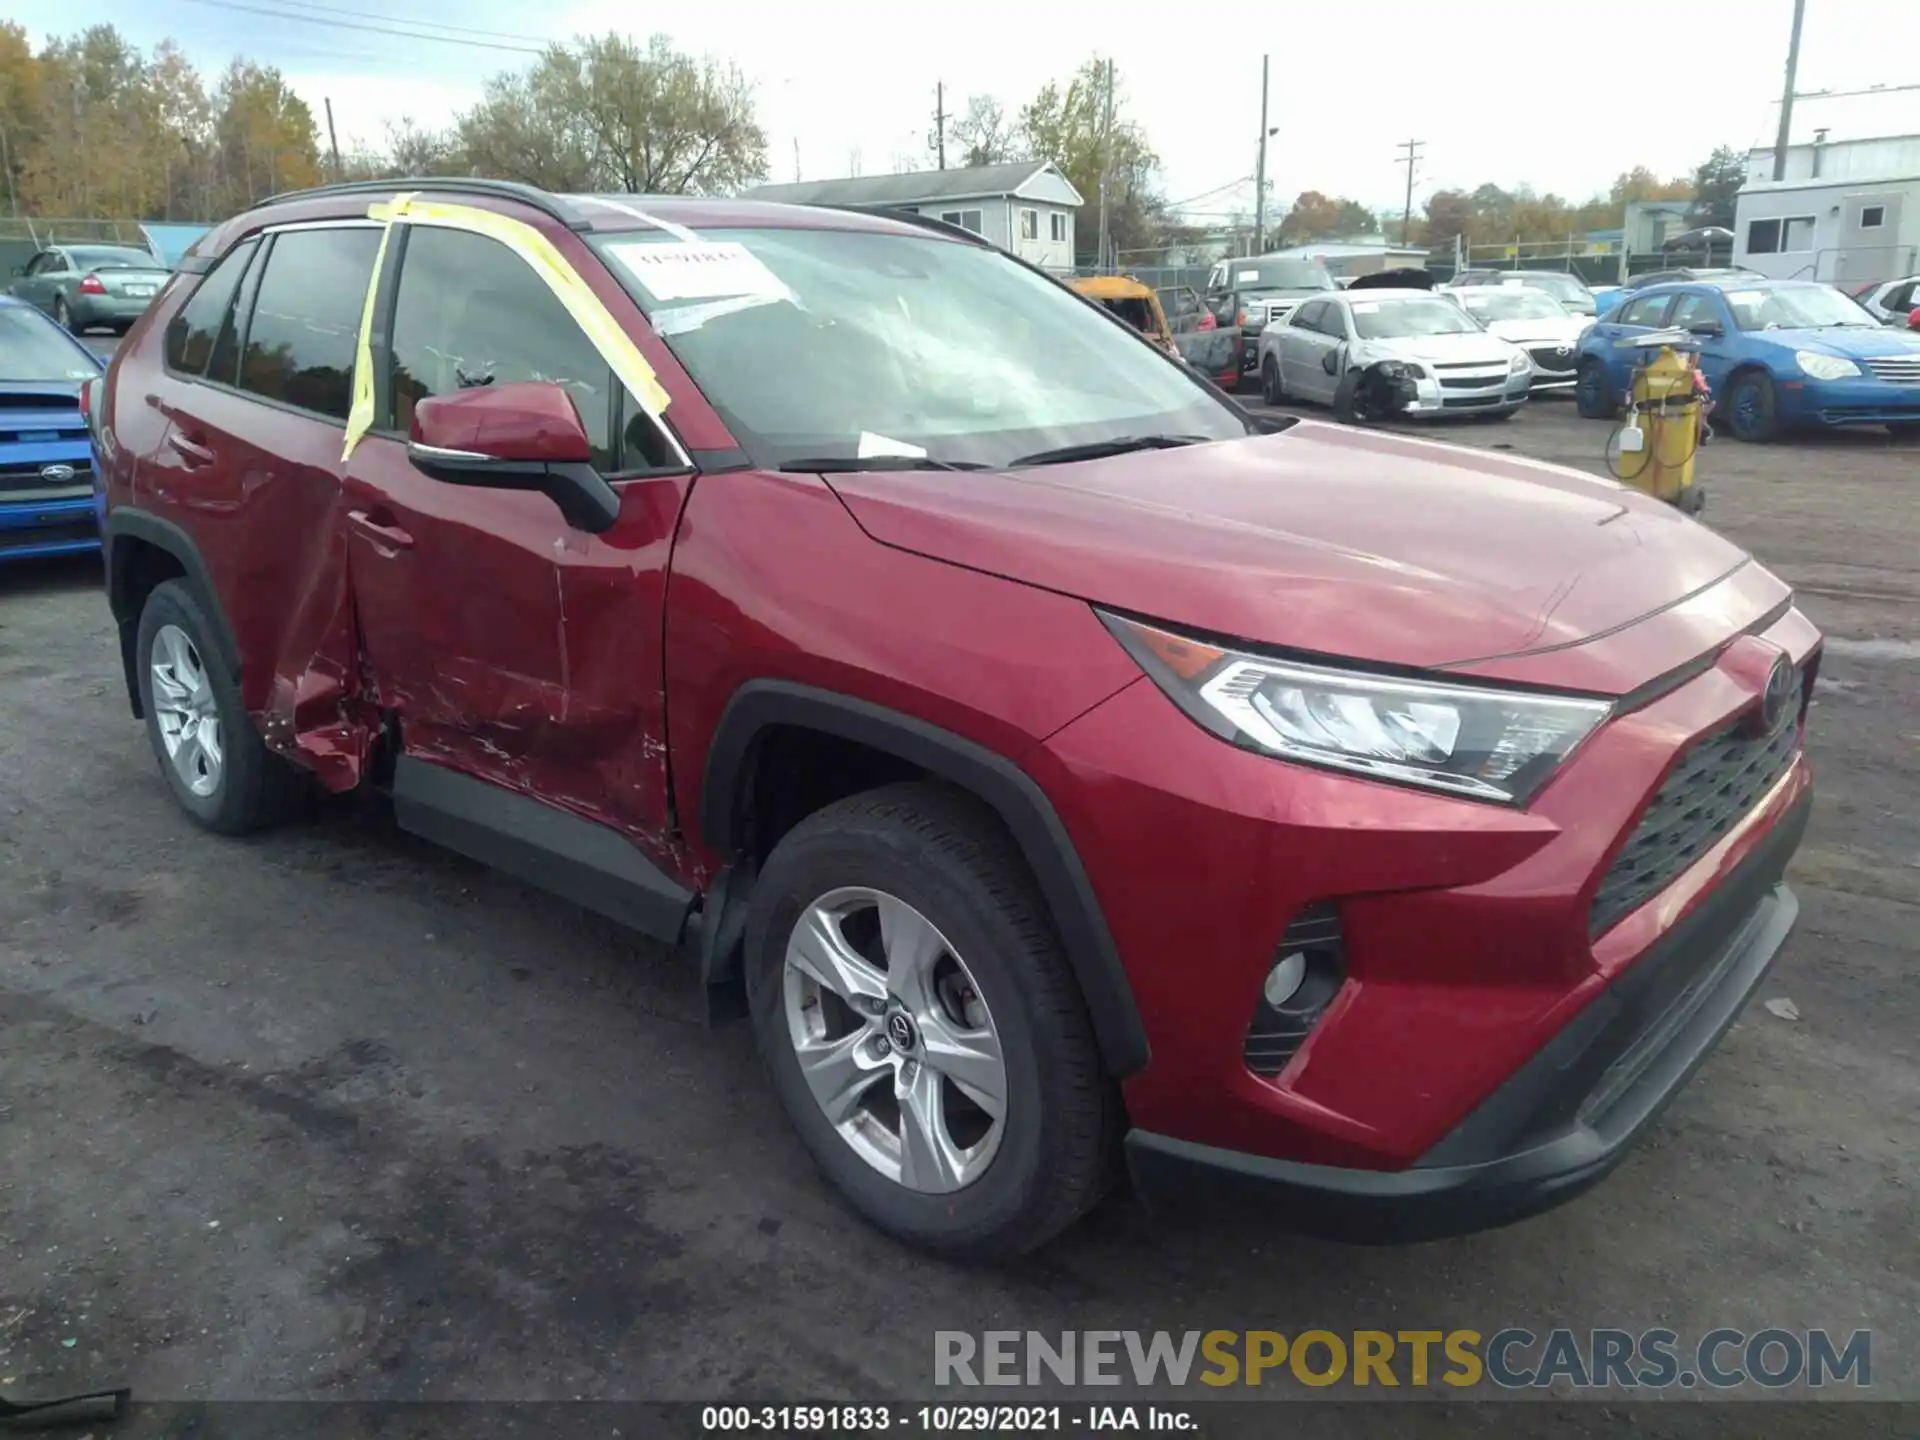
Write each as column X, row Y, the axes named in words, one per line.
column 1065, row 769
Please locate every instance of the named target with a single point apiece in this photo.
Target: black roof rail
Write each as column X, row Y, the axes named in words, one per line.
column 541, row 200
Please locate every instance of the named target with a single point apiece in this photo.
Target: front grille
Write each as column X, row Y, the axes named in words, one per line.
column 1280, row 310
column 1552, row 358
column 23, row 481
column 1276, row 1034
column 67, row 530
column 1901, row 369
column 1716, row 781
column 1472, row 382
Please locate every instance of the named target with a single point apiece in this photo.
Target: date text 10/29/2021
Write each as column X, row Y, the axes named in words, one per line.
column 944, row 1419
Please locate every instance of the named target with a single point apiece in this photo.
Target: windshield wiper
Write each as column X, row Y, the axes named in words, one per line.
column 847, row 464
column 1100, row 449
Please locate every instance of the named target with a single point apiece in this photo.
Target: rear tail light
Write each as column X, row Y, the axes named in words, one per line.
column 92, row 286
column 1307, row 971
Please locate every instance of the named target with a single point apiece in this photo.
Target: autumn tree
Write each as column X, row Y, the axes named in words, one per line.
column 1314, row 216
column 982, row 134
column 1715, row 185
column 607, row 114
column 1640, row 183
column 22, row 108
column 264, row 138
column 1069, row 127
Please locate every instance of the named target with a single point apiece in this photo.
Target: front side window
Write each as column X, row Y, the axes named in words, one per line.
column 305, row 326
column 1695, row 309
column 50, row 263
column 1410, row 318
column 196, row 325
column 470, row 312
column 1307, row 317
column 837, row 343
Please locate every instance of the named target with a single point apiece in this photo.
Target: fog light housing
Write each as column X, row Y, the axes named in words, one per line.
column 1308, row 969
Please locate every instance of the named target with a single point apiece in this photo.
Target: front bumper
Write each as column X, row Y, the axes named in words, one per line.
column 48, row 527
column 1560, row 1122
column 1433, row 396
column 1865, row 401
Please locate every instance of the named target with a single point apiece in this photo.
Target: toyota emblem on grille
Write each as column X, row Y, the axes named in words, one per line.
column 1775, row 699
column 57, row 474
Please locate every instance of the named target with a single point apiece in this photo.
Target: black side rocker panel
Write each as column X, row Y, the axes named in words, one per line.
column 593, row 865
column 761, row 705
column 124, row 524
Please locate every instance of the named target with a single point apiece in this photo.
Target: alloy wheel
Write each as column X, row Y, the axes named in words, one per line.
column 894, row 1040
column 186, row 710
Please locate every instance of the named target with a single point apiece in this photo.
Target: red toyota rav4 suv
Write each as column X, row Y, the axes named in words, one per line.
column 1051, row 757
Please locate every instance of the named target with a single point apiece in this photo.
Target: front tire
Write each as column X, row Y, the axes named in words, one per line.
column 1272, row 388
column 1751, row 408
column 921, row 1027
column 213, row 759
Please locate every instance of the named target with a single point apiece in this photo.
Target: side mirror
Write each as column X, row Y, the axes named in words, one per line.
column 521, row 436
column 1330, row 362
column 1708, row 328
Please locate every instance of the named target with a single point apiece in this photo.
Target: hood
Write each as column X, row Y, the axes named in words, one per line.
column 1461, row 349
column 1853, row 343
column 1540, row 332
column 1327, row 539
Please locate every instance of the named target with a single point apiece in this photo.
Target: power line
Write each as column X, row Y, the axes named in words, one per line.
column 405, row 20
column 1204, row 194
column 373, row 29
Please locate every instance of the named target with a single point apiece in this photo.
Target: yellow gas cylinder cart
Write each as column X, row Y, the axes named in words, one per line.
column 1666, row 421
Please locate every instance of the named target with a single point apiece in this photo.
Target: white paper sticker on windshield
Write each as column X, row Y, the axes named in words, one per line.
column 709, row 270
column 872, row 445
column 1746, row 297
column 1365, row 307
column 1246, row 277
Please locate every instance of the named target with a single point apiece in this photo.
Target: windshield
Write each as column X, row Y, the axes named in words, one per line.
column 1250, row 275
column 1414, row 316
column 104, row 257
column 1795, row 307
column 1561, row 287
column 847, row 344
column 1515, row 302
column 31, row 349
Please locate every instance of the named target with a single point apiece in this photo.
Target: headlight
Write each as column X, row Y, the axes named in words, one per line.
column 1824, row 367
column 1519, row 362
column 1469, row 740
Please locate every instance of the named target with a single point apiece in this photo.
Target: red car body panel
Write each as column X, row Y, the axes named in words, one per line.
column 1327, row 538
column 593, row 671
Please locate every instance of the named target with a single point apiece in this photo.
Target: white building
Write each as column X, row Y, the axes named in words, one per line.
column 1027, row 207
column 1846, row 210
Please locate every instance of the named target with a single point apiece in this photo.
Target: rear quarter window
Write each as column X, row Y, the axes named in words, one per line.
column 196, row 325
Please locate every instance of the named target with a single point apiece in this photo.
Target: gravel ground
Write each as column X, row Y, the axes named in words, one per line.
column 328, row 1114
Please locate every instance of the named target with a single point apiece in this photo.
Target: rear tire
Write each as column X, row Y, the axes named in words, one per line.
column 1593, row 393
column 939, row 857
column 1751, row 411
column 63, row 317
column 214, row 761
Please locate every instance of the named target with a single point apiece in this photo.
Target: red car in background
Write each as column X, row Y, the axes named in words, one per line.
column 1058, row 763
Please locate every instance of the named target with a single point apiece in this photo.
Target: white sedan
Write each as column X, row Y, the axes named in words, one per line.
column 1533, row 320
column 1427, row 341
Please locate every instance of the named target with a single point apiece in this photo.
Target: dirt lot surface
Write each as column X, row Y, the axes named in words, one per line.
column 329, row 1114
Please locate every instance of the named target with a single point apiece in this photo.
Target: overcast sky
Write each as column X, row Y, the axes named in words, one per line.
column 1496, row 92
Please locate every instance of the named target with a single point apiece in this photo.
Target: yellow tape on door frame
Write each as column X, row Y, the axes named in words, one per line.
column 616, row 347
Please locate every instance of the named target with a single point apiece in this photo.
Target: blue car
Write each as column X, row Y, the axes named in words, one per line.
column 46, row 454
column 1778, row 354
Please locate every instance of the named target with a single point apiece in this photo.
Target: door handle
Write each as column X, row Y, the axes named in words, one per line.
column 388, row 538
column 196, row 455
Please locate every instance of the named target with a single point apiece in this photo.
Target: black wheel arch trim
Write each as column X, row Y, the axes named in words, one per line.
column 125, row 523
column 760, row 706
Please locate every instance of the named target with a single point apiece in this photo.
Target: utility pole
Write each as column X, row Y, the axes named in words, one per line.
column 1106, row 166
column 1260, row 169
column 1411, row 159
column 940, row 121
column 333, row 141
column 1786, row 94
column 796, row 159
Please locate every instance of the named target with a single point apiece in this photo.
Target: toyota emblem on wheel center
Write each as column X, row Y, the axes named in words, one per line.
column 900, row 1030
